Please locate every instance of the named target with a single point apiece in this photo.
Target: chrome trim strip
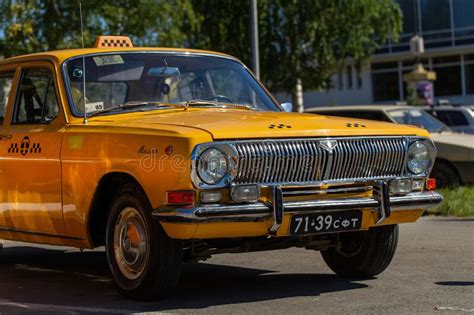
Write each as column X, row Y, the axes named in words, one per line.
column 258, row 211
column 43, row 234
column 343, row 190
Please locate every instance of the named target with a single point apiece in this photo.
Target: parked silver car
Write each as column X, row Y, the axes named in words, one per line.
column 455, row 160
column 458, row 118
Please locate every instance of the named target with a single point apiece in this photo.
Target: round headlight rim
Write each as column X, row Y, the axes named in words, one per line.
column 199, row 169
column 426, row 169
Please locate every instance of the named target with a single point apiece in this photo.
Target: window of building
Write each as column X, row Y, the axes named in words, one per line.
column 408, row 8
column 6, row 80
column 349, row 77
column 359, row 80
column 469, row 71
column 385, row 86
column 435, row 15
column 446, row 59
column 37, row 102
column 448, row 73
column 448, row 80
column 469, row 57
column 463, row 11
column 384, row 65
column 340, row 81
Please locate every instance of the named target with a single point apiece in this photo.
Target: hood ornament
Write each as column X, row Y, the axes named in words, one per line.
column 328, row 145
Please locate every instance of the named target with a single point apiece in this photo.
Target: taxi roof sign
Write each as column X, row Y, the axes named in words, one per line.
column 113, row 42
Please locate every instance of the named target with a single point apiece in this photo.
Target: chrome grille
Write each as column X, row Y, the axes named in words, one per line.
column 306, row 160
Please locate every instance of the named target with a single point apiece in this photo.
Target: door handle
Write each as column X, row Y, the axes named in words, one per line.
column 8, row 137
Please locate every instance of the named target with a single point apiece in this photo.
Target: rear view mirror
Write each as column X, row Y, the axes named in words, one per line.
column 287, row 107
column 164, row 72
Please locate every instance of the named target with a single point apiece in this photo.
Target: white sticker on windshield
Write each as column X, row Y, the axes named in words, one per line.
column 94, row 107
column 415, row 113
column 107, row 60
column 397, row 113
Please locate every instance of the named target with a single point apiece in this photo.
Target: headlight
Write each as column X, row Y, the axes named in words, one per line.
column 418, row 158
column 212, row 166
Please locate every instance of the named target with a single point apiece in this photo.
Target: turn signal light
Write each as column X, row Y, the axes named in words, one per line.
column 431, row 183
column 183, row 197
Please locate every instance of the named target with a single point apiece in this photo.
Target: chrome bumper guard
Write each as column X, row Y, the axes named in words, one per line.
column 381, row 202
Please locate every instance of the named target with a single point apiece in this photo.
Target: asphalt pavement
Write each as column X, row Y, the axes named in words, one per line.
column 432, row 272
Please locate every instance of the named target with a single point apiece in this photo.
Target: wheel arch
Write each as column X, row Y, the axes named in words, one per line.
column 451, row 165
column 105, row 190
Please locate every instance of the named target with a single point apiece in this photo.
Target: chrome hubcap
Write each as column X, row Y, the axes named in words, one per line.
column 131, row 246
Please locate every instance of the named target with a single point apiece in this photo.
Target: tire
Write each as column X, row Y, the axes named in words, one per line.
column 145, row 263
column 363, row 254
column 445, row 174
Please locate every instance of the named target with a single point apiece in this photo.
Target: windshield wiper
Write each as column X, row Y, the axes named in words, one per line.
column 135, row 104
column 204, row 103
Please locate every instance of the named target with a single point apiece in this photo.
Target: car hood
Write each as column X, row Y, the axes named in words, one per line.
column 454, row 139
column 239, row 124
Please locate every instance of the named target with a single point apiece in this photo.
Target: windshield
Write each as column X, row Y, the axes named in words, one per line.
column 418, row 118
column 122, row 78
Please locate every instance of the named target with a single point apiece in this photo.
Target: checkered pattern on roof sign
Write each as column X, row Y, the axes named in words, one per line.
column 113, row 42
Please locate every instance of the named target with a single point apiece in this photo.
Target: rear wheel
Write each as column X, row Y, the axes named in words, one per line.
column 363, row 254
column 145, row 263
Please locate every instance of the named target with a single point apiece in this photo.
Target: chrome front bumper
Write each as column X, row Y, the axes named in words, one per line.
column 381, row 203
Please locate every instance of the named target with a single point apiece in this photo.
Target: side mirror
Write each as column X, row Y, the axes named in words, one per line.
column 287, row 107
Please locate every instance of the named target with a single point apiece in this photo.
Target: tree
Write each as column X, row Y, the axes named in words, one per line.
column 39, row 25
column 301, row 41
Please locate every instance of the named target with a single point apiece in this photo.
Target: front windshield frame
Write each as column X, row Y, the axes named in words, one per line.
column 443, row 126
column 78, row 114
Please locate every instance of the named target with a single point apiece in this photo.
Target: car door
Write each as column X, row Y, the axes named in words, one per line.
column 7, row 80
column 32, row 195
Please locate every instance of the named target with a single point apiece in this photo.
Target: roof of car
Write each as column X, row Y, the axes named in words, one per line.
column 61, row 55
column 450, row 107
column 359, row 107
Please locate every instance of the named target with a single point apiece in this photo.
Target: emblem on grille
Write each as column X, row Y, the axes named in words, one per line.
column 328, row 145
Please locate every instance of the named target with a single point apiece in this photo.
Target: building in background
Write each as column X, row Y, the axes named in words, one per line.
column 447, row 27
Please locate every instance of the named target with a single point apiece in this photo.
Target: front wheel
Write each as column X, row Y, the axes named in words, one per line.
column 145, row 263
column 445, row 174
column 364, row 253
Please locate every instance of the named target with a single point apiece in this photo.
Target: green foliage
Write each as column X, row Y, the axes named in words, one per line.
column 320, row 35
column 299, row 39
column 40, row 25
column 412, row 98
column 457, row 202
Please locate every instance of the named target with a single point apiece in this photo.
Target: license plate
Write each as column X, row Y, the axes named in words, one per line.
column 325, row 222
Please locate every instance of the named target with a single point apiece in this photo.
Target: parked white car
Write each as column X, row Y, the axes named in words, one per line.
column 455, row 160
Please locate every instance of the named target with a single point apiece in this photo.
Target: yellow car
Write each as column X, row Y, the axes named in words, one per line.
column 173, row 155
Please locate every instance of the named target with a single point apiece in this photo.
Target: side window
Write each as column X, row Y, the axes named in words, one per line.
column 37, row 102
column 452, row 118
column 6, row 81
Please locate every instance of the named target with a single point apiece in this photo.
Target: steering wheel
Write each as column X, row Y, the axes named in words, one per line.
column 219, row 98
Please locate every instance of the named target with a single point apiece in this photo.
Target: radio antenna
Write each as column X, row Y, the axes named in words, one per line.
column 83, row 65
